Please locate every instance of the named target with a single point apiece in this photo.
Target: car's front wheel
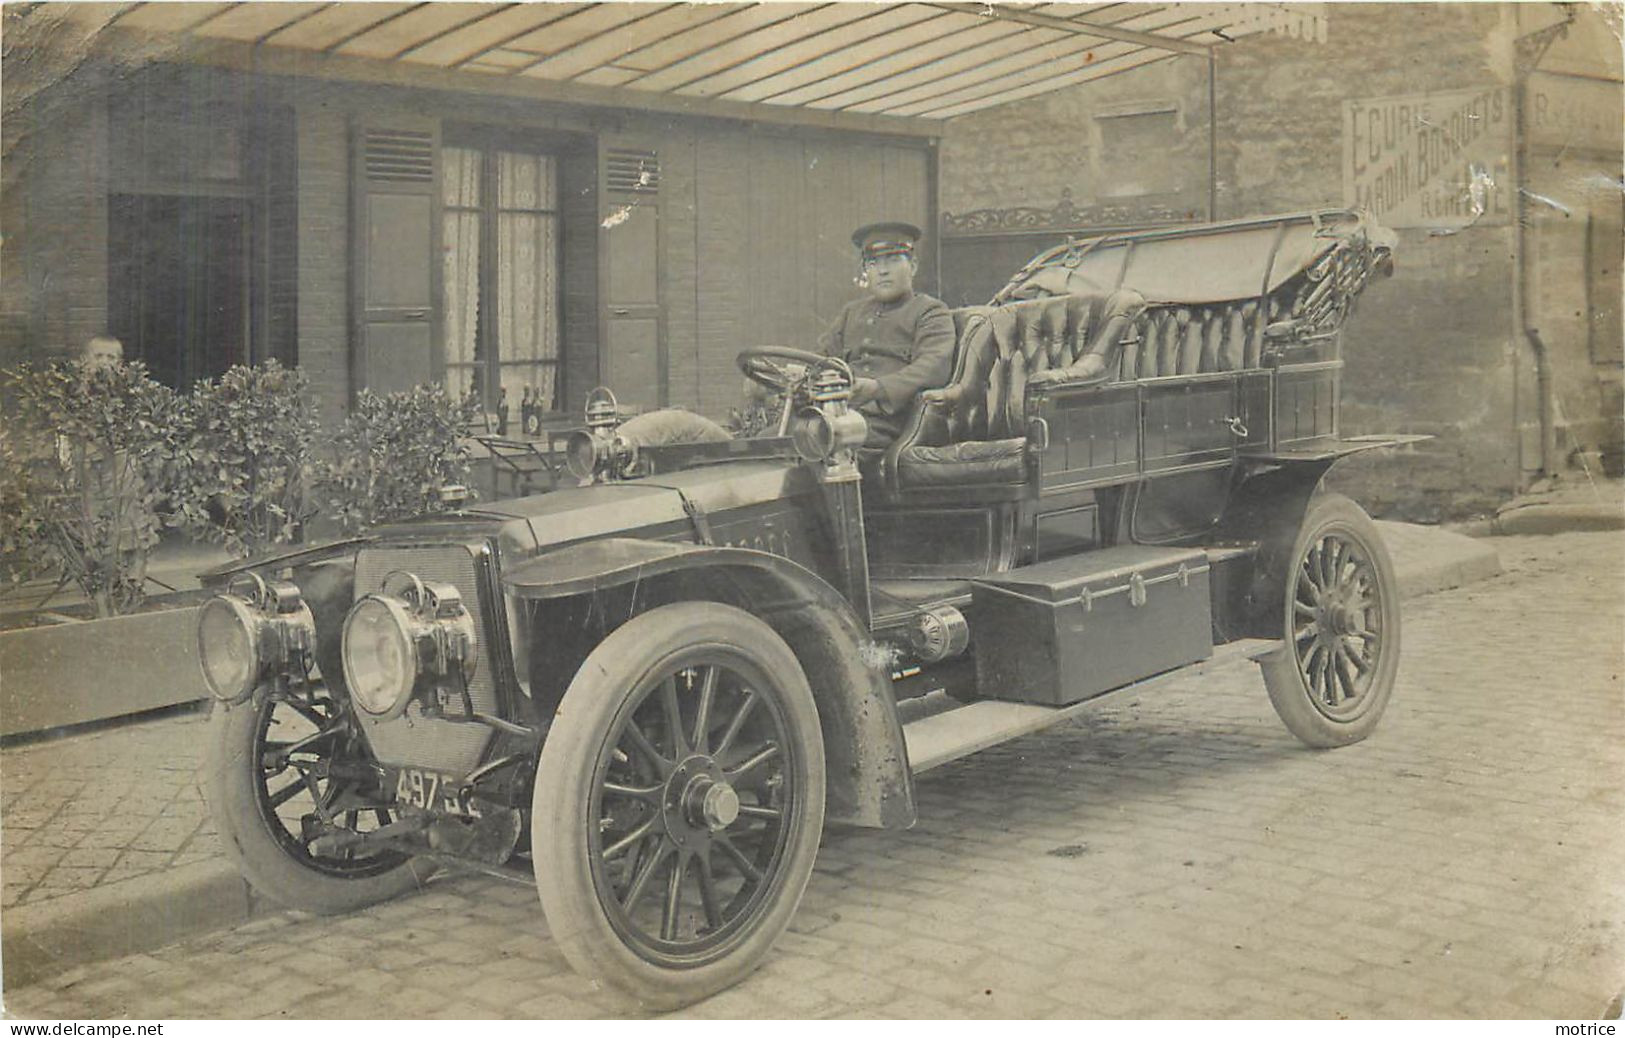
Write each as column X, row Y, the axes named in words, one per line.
column 679, row 803
column 289, row 784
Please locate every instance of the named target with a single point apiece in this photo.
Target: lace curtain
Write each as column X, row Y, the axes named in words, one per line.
column 524, row 331
column 527, row 274
column 460, row 201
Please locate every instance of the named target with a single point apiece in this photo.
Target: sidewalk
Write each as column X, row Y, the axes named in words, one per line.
column 1575, row 501
column 107, row 848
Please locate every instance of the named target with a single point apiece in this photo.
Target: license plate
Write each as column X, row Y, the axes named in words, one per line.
column 431, row 791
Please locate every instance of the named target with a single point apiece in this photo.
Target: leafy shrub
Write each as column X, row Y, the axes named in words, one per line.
column 392, row 456
column 99, row 459
column 242, row 476
column 82, row 477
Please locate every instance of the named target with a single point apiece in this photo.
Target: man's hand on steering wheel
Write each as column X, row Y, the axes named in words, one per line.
column 770, row 366
column 864, row 391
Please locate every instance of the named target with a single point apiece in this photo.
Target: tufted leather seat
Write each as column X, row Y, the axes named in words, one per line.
column 973, row 432
column 1224, row 297
column 1189, row 340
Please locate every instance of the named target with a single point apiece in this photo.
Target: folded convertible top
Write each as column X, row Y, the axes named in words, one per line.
column 1207, row 263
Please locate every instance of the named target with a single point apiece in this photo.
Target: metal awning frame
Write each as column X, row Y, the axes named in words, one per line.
column 899, row 69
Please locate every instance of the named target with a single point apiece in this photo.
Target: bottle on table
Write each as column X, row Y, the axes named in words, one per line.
column 502, row 410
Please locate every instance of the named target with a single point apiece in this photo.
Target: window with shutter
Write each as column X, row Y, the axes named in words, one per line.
column 201, row 212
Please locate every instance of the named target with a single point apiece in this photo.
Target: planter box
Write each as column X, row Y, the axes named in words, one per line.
column 90, row 671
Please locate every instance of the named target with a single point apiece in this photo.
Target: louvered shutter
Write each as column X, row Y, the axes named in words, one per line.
column 396, row 286
column 633, row 363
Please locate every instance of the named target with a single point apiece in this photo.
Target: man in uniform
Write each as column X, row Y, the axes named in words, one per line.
column 898, row 341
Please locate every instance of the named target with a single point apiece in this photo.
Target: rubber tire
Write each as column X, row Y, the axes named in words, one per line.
column 229, row 787
column 1289, row 692
column 618, row 665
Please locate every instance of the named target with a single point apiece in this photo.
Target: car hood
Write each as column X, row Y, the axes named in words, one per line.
column 560, row 517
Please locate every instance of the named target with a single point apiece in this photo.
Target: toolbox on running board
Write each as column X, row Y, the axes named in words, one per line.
column 1065, row 630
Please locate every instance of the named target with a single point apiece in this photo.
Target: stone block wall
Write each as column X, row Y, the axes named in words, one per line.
column 1438, row 348
column 1085, row 143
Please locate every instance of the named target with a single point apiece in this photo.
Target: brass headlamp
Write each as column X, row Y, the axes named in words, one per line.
column 598, row 450
column 250, row 631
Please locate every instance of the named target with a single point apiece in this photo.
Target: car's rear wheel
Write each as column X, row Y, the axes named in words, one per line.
column 281, row 772
column 679, row 803
column 1332, row 681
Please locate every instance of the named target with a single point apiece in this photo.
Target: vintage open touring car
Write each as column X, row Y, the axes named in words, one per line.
column 647, row 694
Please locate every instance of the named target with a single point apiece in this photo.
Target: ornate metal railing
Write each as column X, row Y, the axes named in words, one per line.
column 1065, row 215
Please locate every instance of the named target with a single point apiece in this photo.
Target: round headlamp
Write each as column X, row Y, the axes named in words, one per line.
column 581, row 453
column 227, row 648
column 409, row 632
column 249, row 631
column 380, row 658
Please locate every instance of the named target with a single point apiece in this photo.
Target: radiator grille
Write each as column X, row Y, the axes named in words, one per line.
column 408, row 741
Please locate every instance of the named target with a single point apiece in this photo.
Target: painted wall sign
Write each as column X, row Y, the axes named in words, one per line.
column 1568, row 112
column 1429, row 160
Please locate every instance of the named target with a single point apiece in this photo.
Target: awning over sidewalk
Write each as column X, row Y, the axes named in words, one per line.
column 916, row 61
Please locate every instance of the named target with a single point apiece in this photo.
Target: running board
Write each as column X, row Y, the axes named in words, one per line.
column 940, row 738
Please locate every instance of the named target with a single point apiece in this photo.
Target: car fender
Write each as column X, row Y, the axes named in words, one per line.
column 282, row 556
column 1268, row 508
column 868, row 778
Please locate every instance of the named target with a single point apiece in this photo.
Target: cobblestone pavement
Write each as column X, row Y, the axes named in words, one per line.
column 101, row 807
column 1172, row 855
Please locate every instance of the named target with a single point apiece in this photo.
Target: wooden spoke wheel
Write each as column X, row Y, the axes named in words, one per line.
column 679, row 803
column 1333, row 680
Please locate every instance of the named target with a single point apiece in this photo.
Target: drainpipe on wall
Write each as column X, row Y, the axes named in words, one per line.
column 1526, row 54
column 1520, row 288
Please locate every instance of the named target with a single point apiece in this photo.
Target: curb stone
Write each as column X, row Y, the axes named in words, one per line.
column 1429, row 559
column 1536, row 517
column 1559, row 518
column 123, row 918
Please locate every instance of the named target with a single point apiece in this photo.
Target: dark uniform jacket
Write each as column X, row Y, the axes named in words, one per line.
column 906, row 346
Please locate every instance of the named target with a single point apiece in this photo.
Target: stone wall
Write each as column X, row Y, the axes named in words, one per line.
column 1437, row 349
column 1089, row 145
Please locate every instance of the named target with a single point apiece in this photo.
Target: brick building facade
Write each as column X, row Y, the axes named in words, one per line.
column 730, row 232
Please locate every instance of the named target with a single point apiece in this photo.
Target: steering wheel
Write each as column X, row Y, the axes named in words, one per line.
column 764, row 365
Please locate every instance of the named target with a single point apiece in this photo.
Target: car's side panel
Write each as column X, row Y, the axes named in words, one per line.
column 1104, row 435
